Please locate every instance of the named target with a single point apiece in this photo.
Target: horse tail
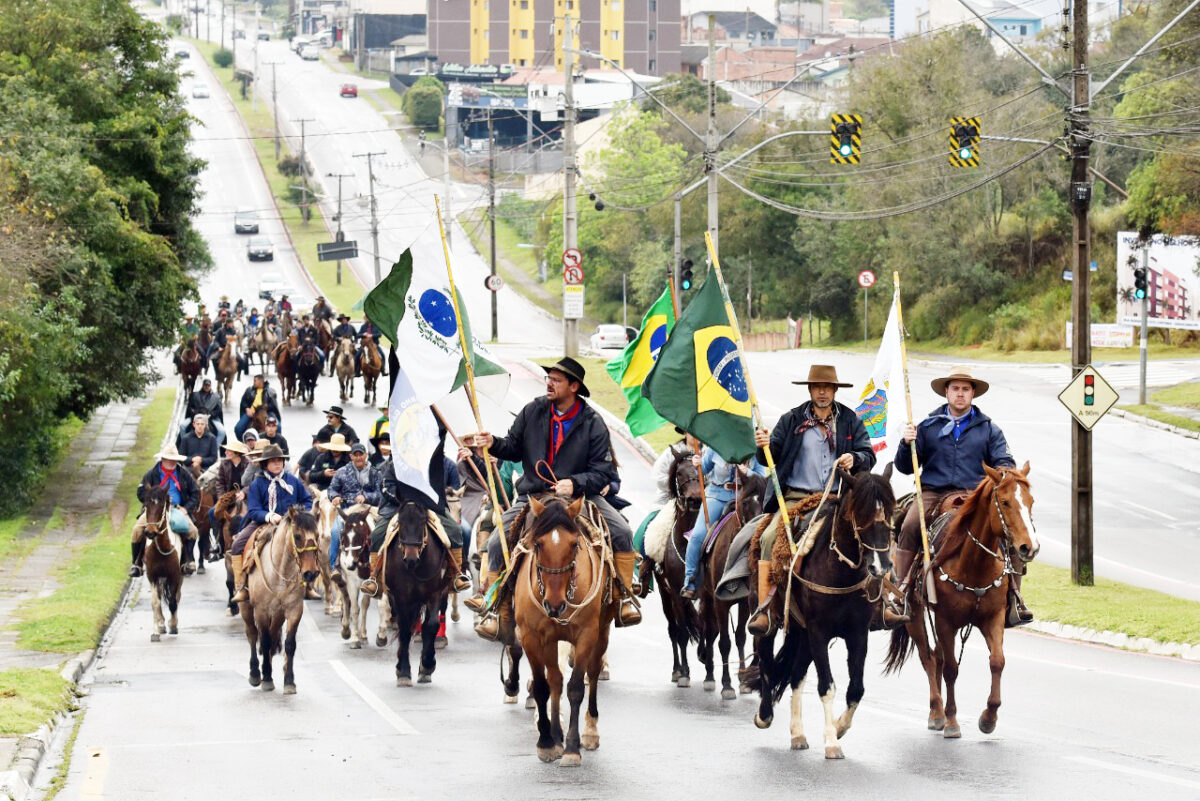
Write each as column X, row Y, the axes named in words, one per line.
column 690, row 622
column 777, row 678
column 899, row 649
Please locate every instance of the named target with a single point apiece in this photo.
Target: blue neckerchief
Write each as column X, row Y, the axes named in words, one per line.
column 952, row 426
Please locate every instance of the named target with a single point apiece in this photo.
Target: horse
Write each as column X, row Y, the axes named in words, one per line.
column 191, row 364
column 829, row 598
column 203, row 526
column 354, row 552
column 287, row 560
column 227, row 514
column 308, row 369
column 284, row 356
column 714, row 613
column 561, row 594
column 204, row 341
column 263, row 343
column 342, row 360
column 285, row 324
column 325, row 340
column 226, row 367
column 162, row 559
column 418, row 579
column 327, row 515
column 372, row 366
column 973, row 561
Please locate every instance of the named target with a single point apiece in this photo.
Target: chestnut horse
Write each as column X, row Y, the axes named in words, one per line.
column 191, row 363
column 227, row 515
column 973, row 559
column 285, row 367
column 226, row 366
column 372, row 366
column 162, row 556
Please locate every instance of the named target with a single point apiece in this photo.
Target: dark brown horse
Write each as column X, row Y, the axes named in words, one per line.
column 417, row 574
column 191, row 364
column 203, row 341
column 164, row 549
column 227, row 515
column 308, row 370
column 973, row 562
column 683, row 623
column 285, row 367
column 830, row 598
column 203, row 525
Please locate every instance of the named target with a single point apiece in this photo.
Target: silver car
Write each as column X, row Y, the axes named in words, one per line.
column 245, row 221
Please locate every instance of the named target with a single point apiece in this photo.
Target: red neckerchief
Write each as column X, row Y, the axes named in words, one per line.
column 558, row 429
column 824, row 427
column 169, row 475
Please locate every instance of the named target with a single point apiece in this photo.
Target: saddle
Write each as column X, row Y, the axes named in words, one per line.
column 254, row 545
column 801, row 514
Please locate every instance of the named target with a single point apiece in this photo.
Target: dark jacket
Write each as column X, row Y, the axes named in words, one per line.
column 269, row 399
column 327, row 460
column 307, row 461
column 208, row 403
column 345, row 330
column 205, row 447
column 327, row 432
column 229, row 475
column 395, row 493
column 187, row 485
column 850, row 434
column 258, row 497
column 347, row 486
column 585, row 456
column 369, row 326
column 947, row 464
column 278, row 439
column 321, row 311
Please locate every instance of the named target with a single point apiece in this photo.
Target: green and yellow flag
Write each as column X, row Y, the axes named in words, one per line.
column 698, row 382
column 630, row 369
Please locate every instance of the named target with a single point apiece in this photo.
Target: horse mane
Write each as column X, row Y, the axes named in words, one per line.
column 226, row 502
column 955, row 534
column 555, row 515
column 305, row 521
column 870, row 491
column 673, row 471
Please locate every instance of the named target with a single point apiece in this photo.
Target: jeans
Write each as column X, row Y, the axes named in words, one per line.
column 695, row 545
column 618, row 529
column 335, row 541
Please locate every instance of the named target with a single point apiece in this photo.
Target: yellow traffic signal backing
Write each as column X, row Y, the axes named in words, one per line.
column 845, row 138
column 964, row 141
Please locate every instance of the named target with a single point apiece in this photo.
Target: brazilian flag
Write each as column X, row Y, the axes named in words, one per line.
column 630, row 369
column 699, row 383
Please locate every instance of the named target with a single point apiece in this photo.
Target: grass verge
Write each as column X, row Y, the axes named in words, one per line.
column 1111, row 606
column 305, row 237
column 1152, row 411
column 73, row 618
column 937, row 349
column 517, row 266
column 29, row 697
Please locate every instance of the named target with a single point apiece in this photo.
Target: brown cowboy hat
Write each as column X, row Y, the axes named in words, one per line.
column 271, row 452
column 823, row 374
column 960, row 372
column 336, row 443
column 572, row 370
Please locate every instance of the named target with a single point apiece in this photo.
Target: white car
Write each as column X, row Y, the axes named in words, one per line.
column 610, row 336
column 270, row 286
column 200, row 89
column 309, row 52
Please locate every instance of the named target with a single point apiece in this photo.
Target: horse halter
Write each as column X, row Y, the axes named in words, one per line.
column 863, row 547
column 1002, row 554
column 424, row 536
column 569, row 567
column 155, row 528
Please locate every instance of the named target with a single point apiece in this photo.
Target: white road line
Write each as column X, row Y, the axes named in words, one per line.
column 1144, row 774
column 1163, row 515
column 1098, row 671
column 398, row 723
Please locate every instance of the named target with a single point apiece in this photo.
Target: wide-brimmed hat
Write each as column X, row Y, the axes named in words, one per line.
column 270, row 452
column 335, row 410
column 336, row 443
column 823, row 374
column 571, row 369
column 236, row 447
column 343, row 316
column 959, row 372
column 171, row 454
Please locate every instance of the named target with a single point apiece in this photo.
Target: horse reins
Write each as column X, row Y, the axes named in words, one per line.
column 156, row 528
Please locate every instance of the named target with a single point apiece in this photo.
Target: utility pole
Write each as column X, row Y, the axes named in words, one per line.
column 222, row 24
column 303, row 174
column 254, row 94
column 711, row 141
column 207, row 20
column 749, row 296
column 570, row 215
column 275, row 107
column 339, row 236
column 677, row 250
column 446, row 190
column 1144, row 339
column 374, row 208
column 492, row 219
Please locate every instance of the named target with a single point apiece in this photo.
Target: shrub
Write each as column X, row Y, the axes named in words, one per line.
column 424, row 106
column 222, row 57
column 289, row 166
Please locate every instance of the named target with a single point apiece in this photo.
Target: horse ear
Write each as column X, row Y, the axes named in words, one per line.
column 992, row 473
column 846, row 476
column 341, row 514
column 1025, row 470
column 537, row 506
column 575, row 507
column 887, row 472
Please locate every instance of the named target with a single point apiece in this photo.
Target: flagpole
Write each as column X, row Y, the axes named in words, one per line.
column 674, row 298
column 467, row 353
column 756, row 414
column 471, row 462
column 919, row 500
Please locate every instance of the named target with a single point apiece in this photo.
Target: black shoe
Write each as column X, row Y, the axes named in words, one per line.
column 688, row 594
column 1017, row 613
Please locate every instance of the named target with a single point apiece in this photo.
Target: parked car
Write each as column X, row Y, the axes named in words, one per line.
column 199, row 89
column 270, row 286
column 245, row 221
column 610, row 336
column 349, row 90
column 259, row 248
column 264, row 36
column 309, row 52
column 181, row 54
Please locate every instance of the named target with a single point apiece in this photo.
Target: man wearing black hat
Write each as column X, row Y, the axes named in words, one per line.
column 344, row 329
column 562, row 431
column 335, row 423
column 257, row 395
column 205, row 401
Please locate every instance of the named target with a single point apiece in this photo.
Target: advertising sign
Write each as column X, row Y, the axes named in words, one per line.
column 1172, row 280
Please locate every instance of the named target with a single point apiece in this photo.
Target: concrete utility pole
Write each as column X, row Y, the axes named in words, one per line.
column 492, row 220
column 303, row 174
column 207, row 21
column 339, row 236
column 570, row 215
column 1144, row 339
column 275, row 106
column 222, row 24
column 374, row 208
column 711, row 141
column 254, row 94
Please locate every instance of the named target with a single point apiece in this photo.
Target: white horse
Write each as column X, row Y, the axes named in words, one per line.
column 353, row 549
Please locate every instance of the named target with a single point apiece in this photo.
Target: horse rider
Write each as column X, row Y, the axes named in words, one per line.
column 356, row 483
column 271, row 433
column 205, row 401
column 223, row 304
column 230, row 472
column 370, row 329
column 334, row 456
column 321, row 311
column 284, row 304
column 308, row 335
column 367, row 338
column 239, row 308
column 381, row 449
column 953, row 444
column 720, row 486
column 345, row 329
column 256, row 396
column 380, row 426
column 221, row 334
column 199, row 446
column 184, row 494
column 565, row 448
column 807, row 443
column 252, row 319
column 335, row 423
column 308, row 459
column 267, row 500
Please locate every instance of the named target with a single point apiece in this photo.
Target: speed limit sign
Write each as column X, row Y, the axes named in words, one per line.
column 866, row 279
column 494, row 282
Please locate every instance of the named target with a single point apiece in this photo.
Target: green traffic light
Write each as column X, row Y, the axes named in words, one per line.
column 964, row 153
column 845, row 149
column 1139, row 294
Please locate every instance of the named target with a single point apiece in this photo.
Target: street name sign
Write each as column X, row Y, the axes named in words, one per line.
column 573, row 301
column 1088, row 397
column 336, row 251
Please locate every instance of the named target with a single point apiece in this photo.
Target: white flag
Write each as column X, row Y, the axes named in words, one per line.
column 414, row 435
column 881, row 407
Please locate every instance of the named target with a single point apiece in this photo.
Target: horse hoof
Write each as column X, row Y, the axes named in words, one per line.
column 424, row 678
column 800, row 743
column 530, row 703
column 403, row 681
column 728, row 694
column 745, row 689
column 289, row 689
column 155, row 637
column 440, row 642
column 510, row 699
column 268, row 686
column 675, row 674
column 571, row 761
column 684, row 682
column 380, row 641
column 603, row 674
column 455, row 616
column 760, row 723
column 345, row 633
column 200, row 569
column 230, row 612
column 986, row 726
column 841, row 731
column 834, row 752
column 936, row 724
column 173, row 630
column 546, row 754
column 356, row 645
column 589, row 742
column 709, row 685
column 952, row 731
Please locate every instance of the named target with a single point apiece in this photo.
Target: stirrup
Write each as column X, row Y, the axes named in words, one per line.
column 461, row 583
column 135, row 571
column 688, row 593
column 489, row 627
column 628, row 613
column 370, row 587
column 1016, row 613
column 763, row 613
column 241, row 595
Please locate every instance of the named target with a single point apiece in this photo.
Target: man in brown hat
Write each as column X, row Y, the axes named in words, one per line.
column 273, row 492
column 185, row 495
column 953, row 444
column 807, row 444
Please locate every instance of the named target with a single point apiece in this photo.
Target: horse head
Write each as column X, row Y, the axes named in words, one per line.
column 1012, row 510
column 868, row 505
column 157, row 502
column 556, row 541
column 355, row 539
column 302, row 528
column 683, row 481
column 412, row 533
column 750, row 496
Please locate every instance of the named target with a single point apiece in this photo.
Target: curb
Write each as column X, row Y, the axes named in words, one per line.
column 1114, row 639
column 1149, row 423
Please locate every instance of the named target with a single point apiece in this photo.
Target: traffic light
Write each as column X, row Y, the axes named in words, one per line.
column 964, row 141
column 845, row 138
column 1089, row 390
column 685, row 274
column 1139, row 283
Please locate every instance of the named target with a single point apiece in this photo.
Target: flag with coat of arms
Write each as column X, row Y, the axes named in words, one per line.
column 630, row 369
column 413, row 309
column 880, row 406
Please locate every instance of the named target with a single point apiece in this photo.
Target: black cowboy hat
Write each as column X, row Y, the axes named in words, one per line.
column 343, row 316
column 335, row 410
column 572, row 370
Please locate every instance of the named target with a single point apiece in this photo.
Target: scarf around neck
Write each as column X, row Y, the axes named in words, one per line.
column 560, row 424
column 273, row 486
column 824, row 427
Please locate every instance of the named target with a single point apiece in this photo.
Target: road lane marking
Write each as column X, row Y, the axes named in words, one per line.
column 398, row 723
column 981, row 647
column 97, row 772
column 1163, row 515
column 1144, row 774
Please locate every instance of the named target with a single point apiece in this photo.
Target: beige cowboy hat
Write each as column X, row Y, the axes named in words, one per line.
column 336, row 443
column 171, row 454
column 823, row 374
column 236, row 447
column 959, row 372
column 271, row 452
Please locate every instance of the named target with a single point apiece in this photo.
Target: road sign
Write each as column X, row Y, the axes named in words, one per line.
column 336, row 251
column 572, row 257
column 866, row 279
column 573, row 301
column 1088, row 397
column 573, row 276
column 494, row 283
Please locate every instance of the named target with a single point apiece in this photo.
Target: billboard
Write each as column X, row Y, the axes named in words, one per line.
column 1173, row 280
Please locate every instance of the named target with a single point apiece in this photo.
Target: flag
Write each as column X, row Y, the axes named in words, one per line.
column 630, row 369
column 698, row 381
column 879, row 407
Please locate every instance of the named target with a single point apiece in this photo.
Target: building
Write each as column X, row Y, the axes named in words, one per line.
column 638, row 35
column 744, row 27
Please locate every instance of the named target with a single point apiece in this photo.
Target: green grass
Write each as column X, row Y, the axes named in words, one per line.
column 1110, row 606
column 10, row 546
column 304, row 237
column 1187, row 395
column 30, row 697
column 987, row 352
column 73, row 617
column 1153, row 412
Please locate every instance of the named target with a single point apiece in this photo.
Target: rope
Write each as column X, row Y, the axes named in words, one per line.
column 799, row 551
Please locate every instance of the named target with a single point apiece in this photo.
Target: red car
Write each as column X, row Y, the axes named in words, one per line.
column 349, row 90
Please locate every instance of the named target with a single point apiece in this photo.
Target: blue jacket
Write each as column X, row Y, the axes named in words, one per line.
column 257, row 507
column 345, row 484
column 949, row 464
column 718, row 473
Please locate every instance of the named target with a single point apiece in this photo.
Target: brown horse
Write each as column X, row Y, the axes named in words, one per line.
column 226, row 368
column 191, row 363
column 325, row 340
column 203, row 526
column 561, row 594
column 342, row 360
column 973, row 561
column 203, row 341
column 308, row 368
column 263, row 343
column 417, row 575
column 163, row 553
column 372, row 366
column 227, row 514
column 287, row 560
column 285, row 366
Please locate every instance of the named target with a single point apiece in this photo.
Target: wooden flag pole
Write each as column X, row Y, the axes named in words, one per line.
column 755, row 414
column 919, row 500
column 437, row 413
column 467, row 353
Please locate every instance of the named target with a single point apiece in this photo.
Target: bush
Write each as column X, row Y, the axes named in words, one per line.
column 423, row 105
column 222, row 57
column 289, row 166
column 175, row 23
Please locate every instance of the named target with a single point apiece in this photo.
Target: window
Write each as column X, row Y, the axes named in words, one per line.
column 521, row 62
column 652, row 66
column 1023, row 30
column 615, row 5
column 653, row 34
column 570, row 5
column 614, row 35
column 524, row 33
column 524, row 5
column 654, row 5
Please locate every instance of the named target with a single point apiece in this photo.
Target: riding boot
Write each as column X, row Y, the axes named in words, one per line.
column 239, row 579
column 371, row 585
column 888, row 616
column 135, row 566
column 901, row 568
column 189, row 560
column 762, row 623
column 1017, row 613
column 497, row 625
column 461, row 582
column 628, row 613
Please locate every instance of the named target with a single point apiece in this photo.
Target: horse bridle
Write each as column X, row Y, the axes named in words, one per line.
column 863, row 547
column 1003, row 556
column 424, row 534
column 153, row 529
column 539, row 569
